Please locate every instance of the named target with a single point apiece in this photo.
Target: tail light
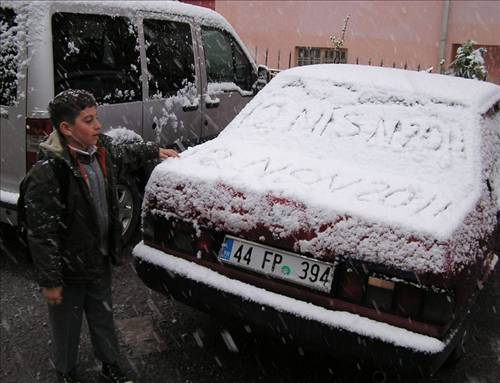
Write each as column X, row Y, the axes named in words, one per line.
column 148, row 229
column 379, row 293
column 178, row 236
column 183, row 241
column 352, row 285
column 439, row 307
column 204, row 245
column 359, row 285
column 408, row 300
column 182, row 237
column 37, row 130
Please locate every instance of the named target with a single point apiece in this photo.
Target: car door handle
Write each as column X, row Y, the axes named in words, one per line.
column 190, row 107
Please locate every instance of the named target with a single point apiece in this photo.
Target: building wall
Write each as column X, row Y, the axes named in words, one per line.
column 479, row 21
column 397, row 32
column 201, row 3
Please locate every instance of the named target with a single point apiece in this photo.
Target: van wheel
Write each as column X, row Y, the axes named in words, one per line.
column 379, row 376
column 129, row 210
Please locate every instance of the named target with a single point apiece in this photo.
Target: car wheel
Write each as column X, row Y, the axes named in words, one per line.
column 129, row 210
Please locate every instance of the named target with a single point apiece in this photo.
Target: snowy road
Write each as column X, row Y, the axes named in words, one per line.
column 164, row 341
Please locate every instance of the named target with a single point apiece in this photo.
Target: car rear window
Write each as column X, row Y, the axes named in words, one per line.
column 98, row 53
column 378, row 131
column 8, row 57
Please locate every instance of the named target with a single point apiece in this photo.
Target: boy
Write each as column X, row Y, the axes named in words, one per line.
column 73, row 229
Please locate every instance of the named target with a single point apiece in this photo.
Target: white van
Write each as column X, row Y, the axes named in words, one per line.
column 173, row 73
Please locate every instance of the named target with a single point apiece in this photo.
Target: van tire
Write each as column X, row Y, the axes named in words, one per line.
column 129, row 211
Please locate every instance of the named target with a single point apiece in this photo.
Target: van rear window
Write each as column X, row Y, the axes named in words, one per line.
column 98, row 53
column 170, row 57
column 8, row 57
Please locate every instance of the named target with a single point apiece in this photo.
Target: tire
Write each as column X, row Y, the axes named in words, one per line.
column 13, row 244
column 129, row 211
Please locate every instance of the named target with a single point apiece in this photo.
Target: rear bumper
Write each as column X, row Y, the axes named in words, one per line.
column 341, row 333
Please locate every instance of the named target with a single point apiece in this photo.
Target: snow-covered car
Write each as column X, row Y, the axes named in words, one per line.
column 348, row 206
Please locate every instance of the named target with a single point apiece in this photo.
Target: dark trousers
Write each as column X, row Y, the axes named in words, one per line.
column 66, row 321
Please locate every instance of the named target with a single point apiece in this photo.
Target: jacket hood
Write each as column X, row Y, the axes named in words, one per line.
column 53, row 146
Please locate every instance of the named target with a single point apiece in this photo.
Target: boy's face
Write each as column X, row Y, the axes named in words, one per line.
column 84, row 132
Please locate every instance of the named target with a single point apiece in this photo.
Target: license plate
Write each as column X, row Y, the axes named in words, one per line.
column 277, row 263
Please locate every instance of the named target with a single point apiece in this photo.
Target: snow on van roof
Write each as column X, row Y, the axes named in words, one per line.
column 38, row 10
column 168, row 6
column 365, row 148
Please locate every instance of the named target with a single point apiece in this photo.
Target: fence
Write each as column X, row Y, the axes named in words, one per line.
column 288, row 60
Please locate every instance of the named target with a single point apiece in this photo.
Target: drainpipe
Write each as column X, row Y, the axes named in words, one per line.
column 444, row 34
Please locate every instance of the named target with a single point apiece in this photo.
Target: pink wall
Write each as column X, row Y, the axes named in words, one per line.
column 396, row 31
column 479, row 21
column 201, row 3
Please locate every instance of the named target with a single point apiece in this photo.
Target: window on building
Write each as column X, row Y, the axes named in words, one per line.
column 97, row 53
column 8, row 57
column 313, row 55
column 308, row 56
column 335, row 56
column 225, row 60
column 170, row 57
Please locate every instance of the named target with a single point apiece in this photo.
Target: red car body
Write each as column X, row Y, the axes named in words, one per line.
column 327, row 245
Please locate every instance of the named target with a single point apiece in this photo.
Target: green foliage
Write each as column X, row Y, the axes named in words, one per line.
column 469, row 62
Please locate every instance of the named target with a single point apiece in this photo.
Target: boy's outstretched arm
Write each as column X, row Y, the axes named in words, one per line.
column 135, row 156
column 168, row 153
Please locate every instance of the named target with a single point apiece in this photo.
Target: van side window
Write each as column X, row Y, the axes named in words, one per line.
column 98, row 53
column 170, row 57
column 8, row 57
column 224, row 59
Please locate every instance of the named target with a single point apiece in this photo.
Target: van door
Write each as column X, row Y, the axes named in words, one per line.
column 171, row 111
column 12, row 111
column 228, row 75
column 100, row 53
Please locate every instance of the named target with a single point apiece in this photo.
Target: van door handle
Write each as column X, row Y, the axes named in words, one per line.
column 212, row 104
column 190, row 108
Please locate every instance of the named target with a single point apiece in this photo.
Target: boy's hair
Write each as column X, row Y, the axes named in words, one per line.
column 68, row 104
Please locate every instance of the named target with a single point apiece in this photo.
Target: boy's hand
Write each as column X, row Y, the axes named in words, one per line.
column 52, row 295
column 166, row 153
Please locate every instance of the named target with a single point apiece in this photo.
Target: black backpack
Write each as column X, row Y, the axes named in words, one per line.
column 60, row 170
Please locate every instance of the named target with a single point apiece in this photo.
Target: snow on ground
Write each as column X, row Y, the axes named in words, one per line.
column 337, row 319
column 369, row 158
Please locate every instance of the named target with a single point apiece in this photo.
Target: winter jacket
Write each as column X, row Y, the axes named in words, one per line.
column 61, row 221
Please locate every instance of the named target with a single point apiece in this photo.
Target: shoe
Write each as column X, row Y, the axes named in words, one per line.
column 113, row 374
column 69, row 377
